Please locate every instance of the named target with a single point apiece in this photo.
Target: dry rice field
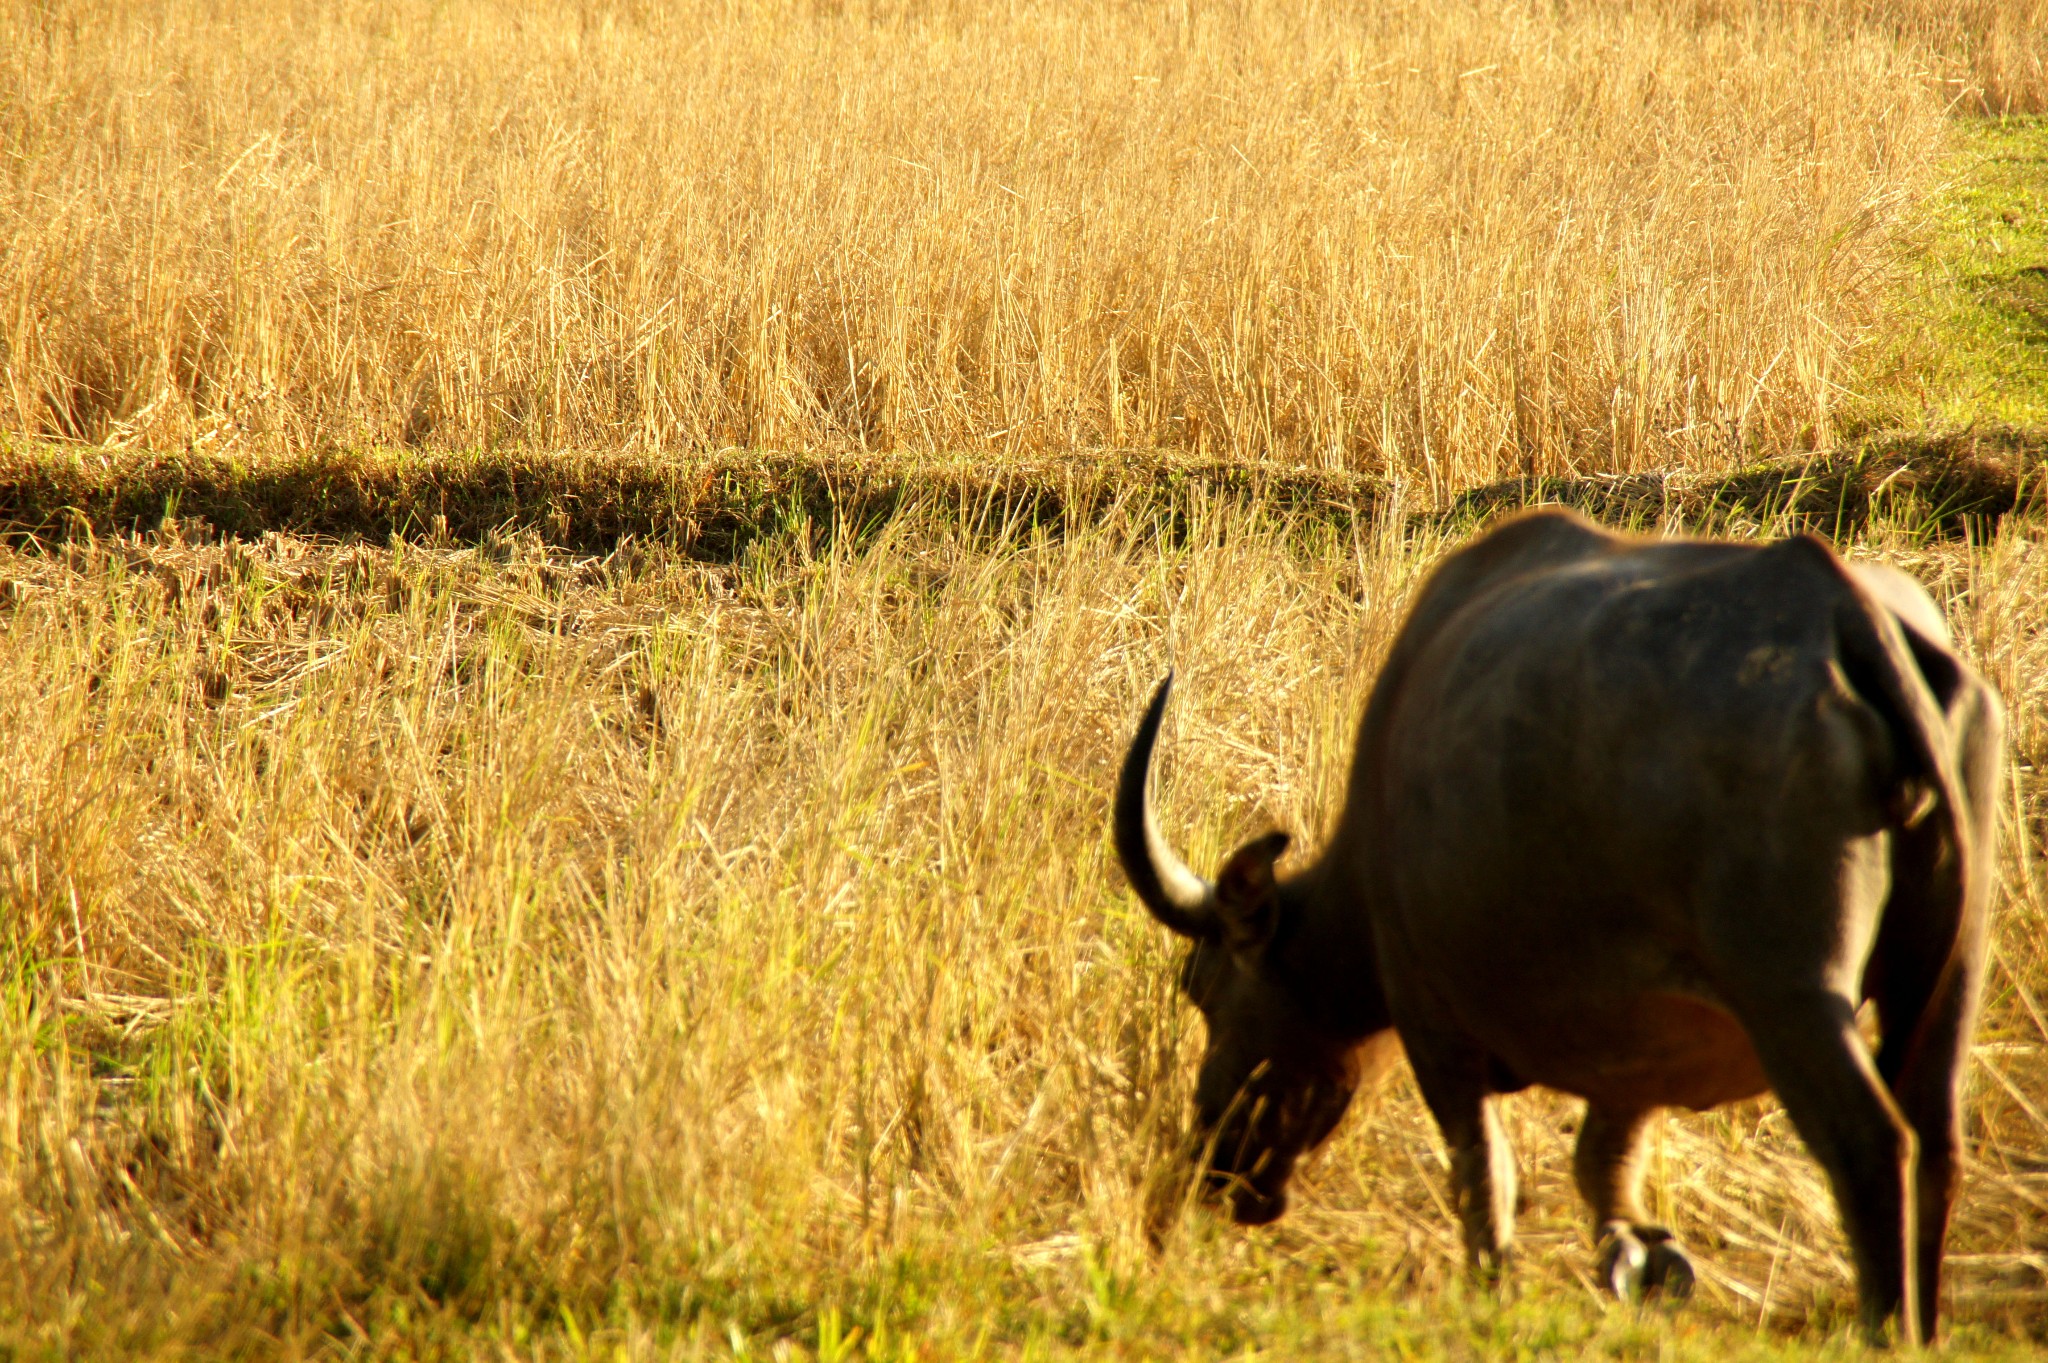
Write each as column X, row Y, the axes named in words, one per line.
column 541, row 927
column 1443, row 242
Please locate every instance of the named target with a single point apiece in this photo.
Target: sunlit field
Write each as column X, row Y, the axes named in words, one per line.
column 573, row 580
column 1447, row 242
column 486, row 943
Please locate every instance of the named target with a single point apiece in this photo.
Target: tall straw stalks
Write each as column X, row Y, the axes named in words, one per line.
column 1443, row 242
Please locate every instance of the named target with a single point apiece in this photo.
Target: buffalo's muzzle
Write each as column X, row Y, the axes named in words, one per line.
column 1250, row 1207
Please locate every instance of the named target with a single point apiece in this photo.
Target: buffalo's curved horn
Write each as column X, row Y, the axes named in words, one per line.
column 1176, row 896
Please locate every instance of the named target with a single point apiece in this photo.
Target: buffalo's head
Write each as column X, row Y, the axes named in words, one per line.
column 1274, row 1081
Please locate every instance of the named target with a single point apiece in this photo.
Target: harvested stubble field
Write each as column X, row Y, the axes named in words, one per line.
column 482, row 874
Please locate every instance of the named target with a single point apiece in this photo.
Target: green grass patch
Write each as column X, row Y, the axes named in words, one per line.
column 1974, row 351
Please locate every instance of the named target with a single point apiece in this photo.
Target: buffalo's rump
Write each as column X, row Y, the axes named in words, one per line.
column 1610, row 781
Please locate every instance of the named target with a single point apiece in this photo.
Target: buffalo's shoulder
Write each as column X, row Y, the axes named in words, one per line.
column 1526, row 543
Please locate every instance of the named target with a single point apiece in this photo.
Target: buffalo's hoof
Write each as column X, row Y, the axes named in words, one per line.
column 1622, row 1260
column 1668, row 1273
column 1636, row 1262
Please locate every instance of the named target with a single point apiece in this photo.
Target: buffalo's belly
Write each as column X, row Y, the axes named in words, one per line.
column 1652, row 1049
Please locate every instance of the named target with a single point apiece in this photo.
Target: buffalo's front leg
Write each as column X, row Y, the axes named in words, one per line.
column 1635, row 1257
column 1451, row 1074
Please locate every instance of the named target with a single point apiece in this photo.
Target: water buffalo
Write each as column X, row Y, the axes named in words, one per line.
column 1645, row 821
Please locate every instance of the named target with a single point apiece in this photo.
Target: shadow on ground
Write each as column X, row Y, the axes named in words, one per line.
column 712, row 506
column 1946, row 486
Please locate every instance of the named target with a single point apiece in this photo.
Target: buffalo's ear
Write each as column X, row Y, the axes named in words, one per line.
column 1247, row 895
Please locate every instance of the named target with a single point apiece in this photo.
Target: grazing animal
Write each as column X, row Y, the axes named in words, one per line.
column 1645, row 821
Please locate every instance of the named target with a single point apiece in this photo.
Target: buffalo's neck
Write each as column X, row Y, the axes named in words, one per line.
column 1324, row 954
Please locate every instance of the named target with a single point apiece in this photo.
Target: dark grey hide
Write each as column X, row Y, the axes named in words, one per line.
column 1646, row 821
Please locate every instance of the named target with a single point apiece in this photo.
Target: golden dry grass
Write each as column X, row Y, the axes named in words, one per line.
column 1443, row 241
column 416, row 950
column 434, row 950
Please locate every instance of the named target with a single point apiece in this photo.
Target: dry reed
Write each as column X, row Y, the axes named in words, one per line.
column 1446, row 242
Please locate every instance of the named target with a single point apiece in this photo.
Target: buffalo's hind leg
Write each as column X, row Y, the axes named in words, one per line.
column 1927, row 987
column 1823, row 1073
column 1928, row 1089
column 1635, row 1257
column 1927, row 979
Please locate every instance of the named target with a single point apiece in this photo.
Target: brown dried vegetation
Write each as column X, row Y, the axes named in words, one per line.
column 486, row 933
